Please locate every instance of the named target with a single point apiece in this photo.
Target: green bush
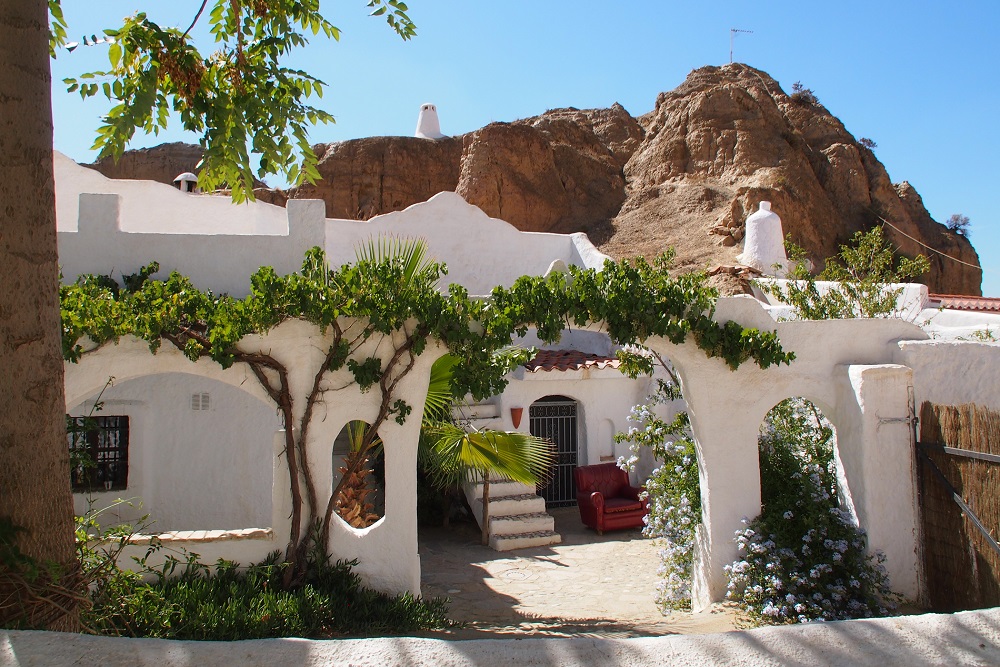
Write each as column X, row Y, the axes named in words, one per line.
column 803, row 559
column 863, row 272
column 189, row 600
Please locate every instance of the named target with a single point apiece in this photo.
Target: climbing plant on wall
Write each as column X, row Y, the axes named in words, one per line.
column 673, row 487
column 393, row 299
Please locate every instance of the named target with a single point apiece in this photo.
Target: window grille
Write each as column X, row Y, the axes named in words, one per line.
column 98, row 453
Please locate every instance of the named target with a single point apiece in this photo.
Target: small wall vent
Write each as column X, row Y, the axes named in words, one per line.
column 201, row 401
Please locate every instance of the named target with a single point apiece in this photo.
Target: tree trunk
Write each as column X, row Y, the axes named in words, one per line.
column 34, row 455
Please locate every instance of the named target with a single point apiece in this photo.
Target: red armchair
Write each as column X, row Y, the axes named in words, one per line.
column 606, row 500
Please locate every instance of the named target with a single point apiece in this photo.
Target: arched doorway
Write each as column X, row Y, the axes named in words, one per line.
column 555, row 419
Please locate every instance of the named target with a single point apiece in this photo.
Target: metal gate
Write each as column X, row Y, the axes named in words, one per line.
column 554, row 418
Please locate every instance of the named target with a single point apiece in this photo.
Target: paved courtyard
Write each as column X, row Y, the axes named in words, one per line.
column 589, row 585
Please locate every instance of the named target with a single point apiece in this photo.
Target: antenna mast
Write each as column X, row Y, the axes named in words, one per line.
column 732, row 36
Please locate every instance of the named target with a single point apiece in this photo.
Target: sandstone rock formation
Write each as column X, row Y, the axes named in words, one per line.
column 686, row 174
column 161, row 163
column 365, row 177
column 729, row 137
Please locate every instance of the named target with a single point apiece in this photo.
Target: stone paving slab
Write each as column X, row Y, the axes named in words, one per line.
column 587, row 585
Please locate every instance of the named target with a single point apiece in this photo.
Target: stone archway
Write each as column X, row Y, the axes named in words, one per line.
column 845, row 365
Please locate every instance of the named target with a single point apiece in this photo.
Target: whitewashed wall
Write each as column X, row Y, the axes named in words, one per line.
column 191, row 469
column 604, row 398
column 387, row 551
column 857, row 371
column 727, row 408
column 953, row 372
column 119, row 226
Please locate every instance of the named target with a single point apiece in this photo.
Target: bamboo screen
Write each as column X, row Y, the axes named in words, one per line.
column 962, row 570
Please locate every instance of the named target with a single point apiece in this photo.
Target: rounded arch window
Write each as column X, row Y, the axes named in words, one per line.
column 358, row 475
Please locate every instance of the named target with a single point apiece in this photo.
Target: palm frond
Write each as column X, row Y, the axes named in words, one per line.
column 517, row 456
column 356, row 432
column 411, row 255
column 437, row 406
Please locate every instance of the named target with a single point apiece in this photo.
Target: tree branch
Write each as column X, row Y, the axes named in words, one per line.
column 195, row 21
column 307, row 419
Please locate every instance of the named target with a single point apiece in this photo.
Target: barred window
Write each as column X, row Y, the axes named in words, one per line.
column 98, row 448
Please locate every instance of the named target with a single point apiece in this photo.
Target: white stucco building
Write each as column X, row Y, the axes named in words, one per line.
column 202, row 451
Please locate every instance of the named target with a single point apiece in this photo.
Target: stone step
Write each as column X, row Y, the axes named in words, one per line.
column 503, row 488
column 524, row 540
column 535, row 522
column 525, row 503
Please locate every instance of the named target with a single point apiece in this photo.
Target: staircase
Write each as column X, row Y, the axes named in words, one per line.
column 517, row 515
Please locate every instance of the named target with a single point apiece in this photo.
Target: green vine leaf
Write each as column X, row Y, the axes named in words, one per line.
column 366, row 373
column 385, row 293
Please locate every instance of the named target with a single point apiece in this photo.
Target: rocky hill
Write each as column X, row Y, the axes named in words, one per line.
column 161, row 163
column 685, row 175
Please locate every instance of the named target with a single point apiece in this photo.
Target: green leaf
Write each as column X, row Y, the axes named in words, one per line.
column 115, row 54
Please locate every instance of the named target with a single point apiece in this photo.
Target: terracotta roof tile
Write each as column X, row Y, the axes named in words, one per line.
column 964, row 302
column 569, row 360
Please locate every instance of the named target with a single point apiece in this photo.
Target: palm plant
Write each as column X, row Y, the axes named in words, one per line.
column 352, row 503
column 452, row 454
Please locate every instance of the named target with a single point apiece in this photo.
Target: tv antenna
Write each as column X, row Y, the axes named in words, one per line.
column 732, row 36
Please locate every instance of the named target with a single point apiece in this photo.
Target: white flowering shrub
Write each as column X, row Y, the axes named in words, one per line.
column 673, row 492
column 803, row 559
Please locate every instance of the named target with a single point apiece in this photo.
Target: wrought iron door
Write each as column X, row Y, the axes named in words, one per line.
column 555, row 420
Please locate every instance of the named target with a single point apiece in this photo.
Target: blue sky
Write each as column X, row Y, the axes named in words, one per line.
column 920, row 78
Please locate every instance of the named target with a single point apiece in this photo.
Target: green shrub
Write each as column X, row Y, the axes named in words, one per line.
column 863, row 273
column 803, row 559
column 189, row 600
column 986, row 335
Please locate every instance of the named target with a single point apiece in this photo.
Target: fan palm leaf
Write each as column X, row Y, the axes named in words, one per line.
column 517, row 456
column 409, row 254
column 479, row 454
column 440, row 399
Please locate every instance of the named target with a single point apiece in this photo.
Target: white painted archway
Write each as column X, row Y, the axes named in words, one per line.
column 845, row 365
column 387, row 550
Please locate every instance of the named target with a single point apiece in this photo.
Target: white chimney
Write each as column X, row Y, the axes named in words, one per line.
column 428, row 126
column 764, row 243
column 186, row 182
